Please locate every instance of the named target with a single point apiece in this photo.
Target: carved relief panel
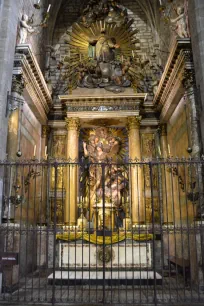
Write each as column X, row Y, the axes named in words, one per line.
column 59, row 146
column 58, row 152
column 148, row 145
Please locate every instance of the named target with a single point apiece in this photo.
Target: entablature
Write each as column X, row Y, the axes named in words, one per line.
column 26, row 64
column 171, row 89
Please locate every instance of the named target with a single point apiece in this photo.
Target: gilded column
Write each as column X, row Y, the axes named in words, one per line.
column 73, row 126
column 166, row 180
column 135, row 170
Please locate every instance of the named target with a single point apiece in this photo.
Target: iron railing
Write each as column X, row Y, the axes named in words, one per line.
column 127, row 233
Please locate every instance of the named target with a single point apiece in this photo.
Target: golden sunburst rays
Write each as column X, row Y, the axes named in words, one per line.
column 120, row 135
column 80, row 37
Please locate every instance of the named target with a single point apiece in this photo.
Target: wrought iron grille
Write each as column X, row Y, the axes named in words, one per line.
column 102, row 234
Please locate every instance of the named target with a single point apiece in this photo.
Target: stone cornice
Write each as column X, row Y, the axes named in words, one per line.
column 104, row 100
column 171, row 86
column 26, row 63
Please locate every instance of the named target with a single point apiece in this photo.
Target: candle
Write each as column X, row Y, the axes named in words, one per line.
column 169, row 150
column 133, row 54
column 38, row 1
column 48, row 8
column 159, row 150
column 46, row 151
column 160, row 1
column 34, row 153
column 122, row 58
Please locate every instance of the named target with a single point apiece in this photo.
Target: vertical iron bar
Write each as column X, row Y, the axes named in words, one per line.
column 54, row 233
column 153, row 225
column 104, row 247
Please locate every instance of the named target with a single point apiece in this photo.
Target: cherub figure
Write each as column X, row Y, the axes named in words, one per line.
column 24, row 29
column 181, row 23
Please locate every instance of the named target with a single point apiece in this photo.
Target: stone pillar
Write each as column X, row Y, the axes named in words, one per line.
column 166, row 180
column 9, row 17
column 189, row 84
column 195, row 13
column 13, row 143
column 73, row 126
column 135, row 171
column 14, row 122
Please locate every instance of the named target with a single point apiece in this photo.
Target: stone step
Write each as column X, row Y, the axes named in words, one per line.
column 111, row 278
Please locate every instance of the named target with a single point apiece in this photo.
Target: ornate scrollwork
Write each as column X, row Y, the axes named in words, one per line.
column 45, row 131
column 105, row 254
column 73, row 124
column 18, row 84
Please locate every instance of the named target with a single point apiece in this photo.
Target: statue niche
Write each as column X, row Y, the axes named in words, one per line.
column 102, row 177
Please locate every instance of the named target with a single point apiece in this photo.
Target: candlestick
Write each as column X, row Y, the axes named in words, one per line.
column 169, row 150
column 46, row 151
column 48, row 8
column 34, row 152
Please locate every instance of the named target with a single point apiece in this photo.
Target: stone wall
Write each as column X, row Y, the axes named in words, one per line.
column 11, row 12
column 30, row 134
column 196, row 15
column 177, row 135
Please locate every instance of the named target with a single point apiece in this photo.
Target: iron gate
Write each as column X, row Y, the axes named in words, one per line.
column 119, row 234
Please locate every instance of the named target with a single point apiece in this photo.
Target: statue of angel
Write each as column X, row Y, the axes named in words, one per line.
column 181, row 23
column 24, row 29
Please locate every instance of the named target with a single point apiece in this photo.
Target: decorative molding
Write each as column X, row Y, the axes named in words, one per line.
column 26, row 64
column 103, row 101
column 163, row 129
column 45, row 131
column 171, row 89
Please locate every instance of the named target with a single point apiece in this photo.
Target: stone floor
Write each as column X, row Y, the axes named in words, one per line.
column 171, row 292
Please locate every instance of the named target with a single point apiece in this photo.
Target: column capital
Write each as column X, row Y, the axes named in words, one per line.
column 18, row 83
column 73, row 124
column 163, row 129
column 134, row 122
column 45, row 131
